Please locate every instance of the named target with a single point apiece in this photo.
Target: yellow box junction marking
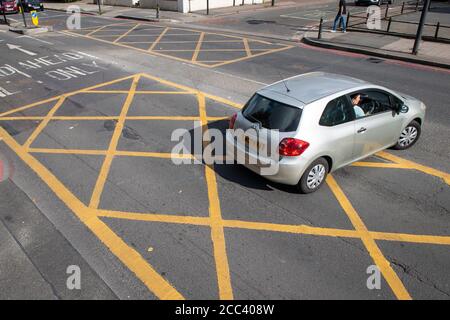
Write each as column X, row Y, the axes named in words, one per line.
column 119, row 37
column 90, row 215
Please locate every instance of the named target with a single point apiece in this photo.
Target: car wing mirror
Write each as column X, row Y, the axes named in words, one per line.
column 403, row 109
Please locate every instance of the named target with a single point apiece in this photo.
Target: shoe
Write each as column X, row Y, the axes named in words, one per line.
column 345, row 31
column 333, row 31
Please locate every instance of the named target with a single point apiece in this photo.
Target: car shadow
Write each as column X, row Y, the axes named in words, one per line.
column 235, row 173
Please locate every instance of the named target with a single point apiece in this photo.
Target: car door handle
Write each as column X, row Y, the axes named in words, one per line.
column 362, row 130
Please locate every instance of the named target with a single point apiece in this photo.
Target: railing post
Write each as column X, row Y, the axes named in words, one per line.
column 389, row 24
column 157, row 9
column 273, row 3
column 23, row 13
column 234, row 3
column 403, row 7
column 387, row 10
column 348, row 18
column 437, row 30
column 207, row 7
column 417, row 5
column 4, row 17
column 319, row 35
column 423, row 17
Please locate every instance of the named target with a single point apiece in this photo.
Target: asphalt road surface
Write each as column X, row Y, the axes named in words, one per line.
column 87, row 117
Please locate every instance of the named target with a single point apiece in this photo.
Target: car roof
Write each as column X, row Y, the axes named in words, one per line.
column 309, row 87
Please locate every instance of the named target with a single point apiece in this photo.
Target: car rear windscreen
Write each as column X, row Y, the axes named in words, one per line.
column 272, row 114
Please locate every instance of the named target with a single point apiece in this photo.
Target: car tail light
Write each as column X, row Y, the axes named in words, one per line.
column 233, row 120
column 292, row 147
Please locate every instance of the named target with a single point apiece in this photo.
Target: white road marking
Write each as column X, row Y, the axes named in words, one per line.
column 46, row 42
column 16, row 47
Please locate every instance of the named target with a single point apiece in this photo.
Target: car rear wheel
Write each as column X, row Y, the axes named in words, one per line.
column 409, row 136
column 314, row 176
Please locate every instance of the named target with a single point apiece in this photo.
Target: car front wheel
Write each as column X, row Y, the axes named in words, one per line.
column 409, row 136
column 314, row 176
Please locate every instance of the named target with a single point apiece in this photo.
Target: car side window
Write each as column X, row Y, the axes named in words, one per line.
column 336, row 112
column 374, row 102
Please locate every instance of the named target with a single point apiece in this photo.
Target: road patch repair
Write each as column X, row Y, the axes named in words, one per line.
column 207, row 49
column 113, row 197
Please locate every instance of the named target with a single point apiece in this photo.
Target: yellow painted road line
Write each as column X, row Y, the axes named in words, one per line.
column 253, row 56
column 383, row 264
column 197, row 48
column 99, row 185
column 96, row 30
column 100, row 118
column 154, row 155
column 158, row 39
column 67, row 151
column 126, row 33
column 129, row 257
column 150, row 217
column 61, row 118
column 185, row 88
column 164, row 118
column 274, row 227
column 379, row 165
column 247, row 48
column 204, row 41
column 20, row 118
column 296, row 229
column 44, row 123
column 28, row 106
column 412, row 238
column 137, row 92
column 97, row 27
column 217, row 231
column 69, row 94
column 195, row 32
column 152, row 52
column 207, row 50
column 413, row 165
column 116, row 153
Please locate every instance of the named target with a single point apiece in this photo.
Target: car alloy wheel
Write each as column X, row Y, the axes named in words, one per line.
column 408, row 136
column 315, row 176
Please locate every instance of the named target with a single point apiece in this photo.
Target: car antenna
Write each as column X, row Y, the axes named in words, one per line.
column 284, row 82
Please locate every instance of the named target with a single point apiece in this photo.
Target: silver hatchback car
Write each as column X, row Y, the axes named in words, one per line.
column 323, row 122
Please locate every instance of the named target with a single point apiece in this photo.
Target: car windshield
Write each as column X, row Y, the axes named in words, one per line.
column 272, row 114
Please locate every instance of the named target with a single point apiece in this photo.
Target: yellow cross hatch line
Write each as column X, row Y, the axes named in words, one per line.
column 104, row 171
column 44, row 122
column 389, row 274
column 166, row 33
column 199, row 45
column 91, row 215
column 130, row 257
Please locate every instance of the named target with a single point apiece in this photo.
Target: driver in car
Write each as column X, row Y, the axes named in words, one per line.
column 359, row 112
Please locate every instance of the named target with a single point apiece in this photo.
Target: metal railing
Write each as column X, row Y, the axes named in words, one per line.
column 389, row 18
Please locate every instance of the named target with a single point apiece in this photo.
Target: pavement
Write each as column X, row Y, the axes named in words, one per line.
column 382, row 45
column 399, row 41
column 87, row 117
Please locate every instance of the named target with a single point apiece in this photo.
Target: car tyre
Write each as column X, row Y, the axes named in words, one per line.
column 409, row 136
column 314, row 176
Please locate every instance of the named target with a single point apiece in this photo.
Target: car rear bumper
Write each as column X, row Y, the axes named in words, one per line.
column 288, row 170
